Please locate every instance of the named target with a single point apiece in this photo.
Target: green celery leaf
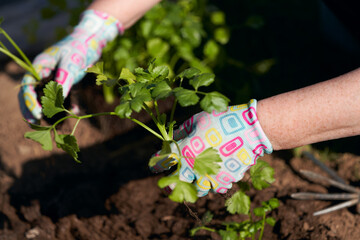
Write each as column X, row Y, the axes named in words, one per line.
column 164, row 29
column 138, row 89
column 185, row 50
column 271, row 221
column 207, row 217
column 183, row 191
column 238, row 203
column 136, row 104
column 204, row 79
column 207, row 162
column 160, row 72
column 256, row 226
column 127, row 75
column 98, row 68
column 199, row 64
column 246, row 232
column 274, row 203
column 41, row 136
column 192, row 35
column 194, row 230
column 217, row 18
column 156, row 13
column 189, row 73
column 166, row 181
column 145, row 27
column 135, row 88
column 38, row 127
column 141, row 96
column 222, row 35
column 142, row 75
column 211, row 50
column 53, row 99
column 123, row 110
column 186, row 97
column 228, row 234
column 214, row 101
column 157, row 48
column 151, row 66
column 69, row 144
column 161, row 90
column 259, row 211
column 101, row 79
column 266, row 206
column 262, row 175
column 125, row 93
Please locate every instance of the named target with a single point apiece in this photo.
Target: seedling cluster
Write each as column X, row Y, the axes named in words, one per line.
column 141, row 90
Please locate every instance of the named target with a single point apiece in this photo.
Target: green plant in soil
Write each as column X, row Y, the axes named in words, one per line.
column 261, row 176
column 141, row 90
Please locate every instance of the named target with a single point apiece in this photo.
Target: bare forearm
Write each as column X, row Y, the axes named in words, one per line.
column 126, row 11
column 324, row 111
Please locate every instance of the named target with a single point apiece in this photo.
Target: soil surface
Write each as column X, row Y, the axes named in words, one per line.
column 113, row 195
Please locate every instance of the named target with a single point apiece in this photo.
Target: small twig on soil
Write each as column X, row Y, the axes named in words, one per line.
column 193, row 214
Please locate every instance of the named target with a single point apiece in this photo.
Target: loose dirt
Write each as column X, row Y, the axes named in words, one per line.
column 113, row 195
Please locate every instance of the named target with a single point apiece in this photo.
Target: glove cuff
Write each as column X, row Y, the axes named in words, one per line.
column 102, row 25
column 262, row 143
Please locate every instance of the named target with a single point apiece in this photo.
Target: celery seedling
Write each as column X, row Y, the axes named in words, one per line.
column 138, row 89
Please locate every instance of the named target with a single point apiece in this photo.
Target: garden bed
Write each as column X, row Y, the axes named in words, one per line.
column 113, row 195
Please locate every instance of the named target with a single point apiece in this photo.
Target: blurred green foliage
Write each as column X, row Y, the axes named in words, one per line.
column 179, row 34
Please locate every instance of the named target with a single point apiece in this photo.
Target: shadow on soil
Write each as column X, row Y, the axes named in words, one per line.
column 62, row 187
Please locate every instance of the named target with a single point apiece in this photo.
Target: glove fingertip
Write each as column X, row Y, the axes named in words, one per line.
column 164, row 164
column 31, row 104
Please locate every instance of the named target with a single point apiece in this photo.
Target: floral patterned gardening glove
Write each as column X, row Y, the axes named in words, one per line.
column 71, row 57
column 235, row 133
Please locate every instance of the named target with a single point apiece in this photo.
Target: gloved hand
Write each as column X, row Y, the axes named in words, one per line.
column 71, row 57
column 235, row 133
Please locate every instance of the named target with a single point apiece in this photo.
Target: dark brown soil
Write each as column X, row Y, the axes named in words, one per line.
column 112, row 194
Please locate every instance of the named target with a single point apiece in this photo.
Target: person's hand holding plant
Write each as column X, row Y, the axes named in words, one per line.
column 69, row 58
column 235, row 134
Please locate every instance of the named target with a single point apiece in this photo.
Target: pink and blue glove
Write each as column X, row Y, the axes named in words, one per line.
column 71, row 57
column 235, row 133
